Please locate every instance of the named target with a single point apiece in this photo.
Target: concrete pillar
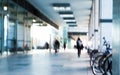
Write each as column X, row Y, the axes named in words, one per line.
column 116, row 38
column 91, row 28
column 96, row 24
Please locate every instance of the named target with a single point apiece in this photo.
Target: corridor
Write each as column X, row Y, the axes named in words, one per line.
column 44, row 62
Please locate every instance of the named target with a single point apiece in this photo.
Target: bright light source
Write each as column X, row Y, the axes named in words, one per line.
column 36, row 24
column 70, row 20
column 5, row 8
column 66, row 15
column 68, row 8
column 62, row 8
column 41, row 24
column 34, row 20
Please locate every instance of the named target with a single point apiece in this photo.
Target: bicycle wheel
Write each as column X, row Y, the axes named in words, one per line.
column 108, row 65
column 95, row 66
column 93, row 55
column 101, row 62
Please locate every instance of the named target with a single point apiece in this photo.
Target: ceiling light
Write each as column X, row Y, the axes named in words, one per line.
column 66, row 15
column 70, row 20
column 5, row 8
column 36, row 24
column 41, row 24
column 61, row 6
column 34, row 20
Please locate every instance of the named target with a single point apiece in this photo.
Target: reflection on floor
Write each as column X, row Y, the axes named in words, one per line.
column 43, row 62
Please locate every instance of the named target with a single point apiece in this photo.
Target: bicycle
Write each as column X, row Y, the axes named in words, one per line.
column 100, row 62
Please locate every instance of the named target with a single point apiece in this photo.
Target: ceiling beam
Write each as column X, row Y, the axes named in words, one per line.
column 77, row 33
column 25, row 4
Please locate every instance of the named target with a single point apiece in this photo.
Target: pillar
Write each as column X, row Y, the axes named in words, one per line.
column 96, row 24
column 116, row 38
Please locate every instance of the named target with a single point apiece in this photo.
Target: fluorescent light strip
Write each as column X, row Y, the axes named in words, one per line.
column 62, row 8
column 34, row 20
column 36, row 24
column 70, row 20
column 66, row 15
column 5, row 8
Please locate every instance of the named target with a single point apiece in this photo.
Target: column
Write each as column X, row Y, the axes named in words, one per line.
column 116, row 38
column 96, row 24
column 92, row 27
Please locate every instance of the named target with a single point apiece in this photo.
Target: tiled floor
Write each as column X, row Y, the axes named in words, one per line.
column 43, row 62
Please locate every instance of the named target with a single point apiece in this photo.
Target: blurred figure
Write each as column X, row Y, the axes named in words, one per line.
column 26, row 47
column 56, row 45
column 79, row 46
column 14, row 45
column 64, row 45
column 46, row 45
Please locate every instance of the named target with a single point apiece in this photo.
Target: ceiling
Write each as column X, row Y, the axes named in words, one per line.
column 81, row 10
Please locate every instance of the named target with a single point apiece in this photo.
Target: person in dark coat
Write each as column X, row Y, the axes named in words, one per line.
column 56, row 45
column 79, row 46
column 64, row 45
column 46, row 45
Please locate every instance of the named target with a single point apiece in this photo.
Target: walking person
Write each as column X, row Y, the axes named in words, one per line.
column 79, row 46
column 46, row 45
column 56, row 45
column 14, row 45
column 64, row 45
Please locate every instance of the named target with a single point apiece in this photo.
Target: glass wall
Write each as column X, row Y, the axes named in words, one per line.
column 1, row 26
column 15, row 23
column 15, row 27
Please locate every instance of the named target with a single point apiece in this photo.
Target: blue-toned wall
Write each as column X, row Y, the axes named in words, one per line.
column 10, row 34
column 116, row 38
column 20, row 35
column 0, row 33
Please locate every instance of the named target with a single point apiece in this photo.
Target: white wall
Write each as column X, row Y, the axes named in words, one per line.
column 106, row 7
column 43, row 34
column 106, row 20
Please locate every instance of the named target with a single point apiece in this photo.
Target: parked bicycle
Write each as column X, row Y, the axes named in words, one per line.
column 101, row 62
